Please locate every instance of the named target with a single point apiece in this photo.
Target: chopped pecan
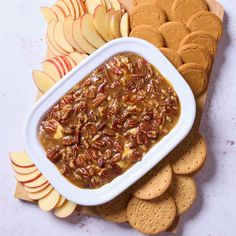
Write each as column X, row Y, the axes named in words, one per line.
column 68, row 140
column 53, row 154
column 99, row 99
column 50, row 126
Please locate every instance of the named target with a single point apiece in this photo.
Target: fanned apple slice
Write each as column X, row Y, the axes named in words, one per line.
column 115, row 5
column 115, row 24
column 48, row 202
column 72, row 61
column 43, row 81
column 28, row 177
column 59, row 12
column 64, row 6
column 89, row 32
column 41, row 180
column 108, row 4
column 51, row 37
column 62, row 65
column 82, row 7
column 91, row 5
column 53, row 69
column 60, row 202
column 67, row 63
column 21, row 159
column 76, row 7
column 65, row 210
column 83, row 43
column 124, row 25
column 68, row 32
column 48, row 14
column 77, row 57
column 23, row 170
column 60, row 38
column 37, row 189
column 40, row 194
column 52, row 50
column 71, row 8
column 128, row 5
column 99, row 18
column 108, row 22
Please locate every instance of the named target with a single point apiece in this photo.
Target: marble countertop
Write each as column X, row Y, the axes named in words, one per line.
column 22, row 47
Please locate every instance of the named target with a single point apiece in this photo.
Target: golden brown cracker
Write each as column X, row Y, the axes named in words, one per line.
column 152, row 216
column 173, row 33
column 182, row 10
column 207, row 22
column 196, row 77
column 115, row 210
column 183, row 190
column 154, row 183
column 194, row 53
column 201, row 38
column 172, row 56
column 174, row 226
column 166, row 6
column 149, row 34
column 189, row 155
column 147, row 14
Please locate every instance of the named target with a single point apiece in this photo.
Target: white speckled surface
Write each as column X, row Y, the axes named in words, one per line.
column 22, row 47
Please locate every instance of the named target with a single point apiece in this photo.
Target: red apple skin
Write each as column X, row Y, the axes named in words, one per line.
column 55, row 64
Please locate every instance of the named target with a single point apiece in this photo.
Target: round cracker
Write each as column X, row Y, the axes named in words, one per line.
column 166, row 6
column 183, row 190
column 154, row 183
column 147, row 14
column 189, row 155
column 115, row 210
column 195, row 76
column 201, row 38
column 207, row 22
column 152, row 216
column 173, row 33
column 149, row 34
column 194, row 53
column 182, row 10
column 172, row 56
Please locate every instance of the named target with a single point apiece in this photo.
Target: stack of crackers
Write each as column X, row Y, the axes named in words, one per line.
column 187, row 33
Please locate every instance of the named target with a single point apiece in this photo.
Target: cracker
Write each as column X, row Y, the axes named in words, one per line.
column 207, row 22
column 147, row 14
column 172, row 56
column 195, row 76
column 183, row 190
column 115, row 210
column 201, row 38
column 173, row 33
column 182, row 10
column 189, row 155
column 154, row 183
column 152, row 216
column 149, row 34
column 166, row 6
column 194, row 53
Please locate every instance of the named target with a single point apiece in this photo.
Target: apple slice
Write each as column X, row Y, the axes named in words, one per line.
column 63, row 6
column 128, row 5
column 76, row 7
column 68, row 32
column 48, row 14
column 43, row 81
column 59, row 12
column 77, row 57
column 91, row 5
column 99, row 18
column 21, row 159
column 115, row 5
column 65, row 210
column 48, row 202
column 82, row 7
column 115, row 24
column 23, row 170
column 107, row 23
column 62, row 64
column 51, row 38
column 124, row 25
column 41, row 180
column 72, row 61
column 89, row 32
column 40, row 194
column 60, row 202
column 28, row 177
column 37, row 189
column 108, row 4
column 60, row 38
column 83, row 43
column 71, row 8
column 52, row 50
column 67, row 62
column 53, row 69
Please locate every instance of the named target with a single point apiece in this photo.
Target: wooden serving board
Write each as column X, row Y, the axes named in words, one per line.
column 214, row 7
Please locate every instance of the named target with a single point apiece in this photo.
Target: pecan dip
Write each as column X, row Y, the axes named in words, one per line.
column 107, row 122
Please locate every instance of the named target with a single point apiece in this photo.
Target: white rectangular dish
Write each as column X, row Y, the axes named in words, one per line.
column 90, row 197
